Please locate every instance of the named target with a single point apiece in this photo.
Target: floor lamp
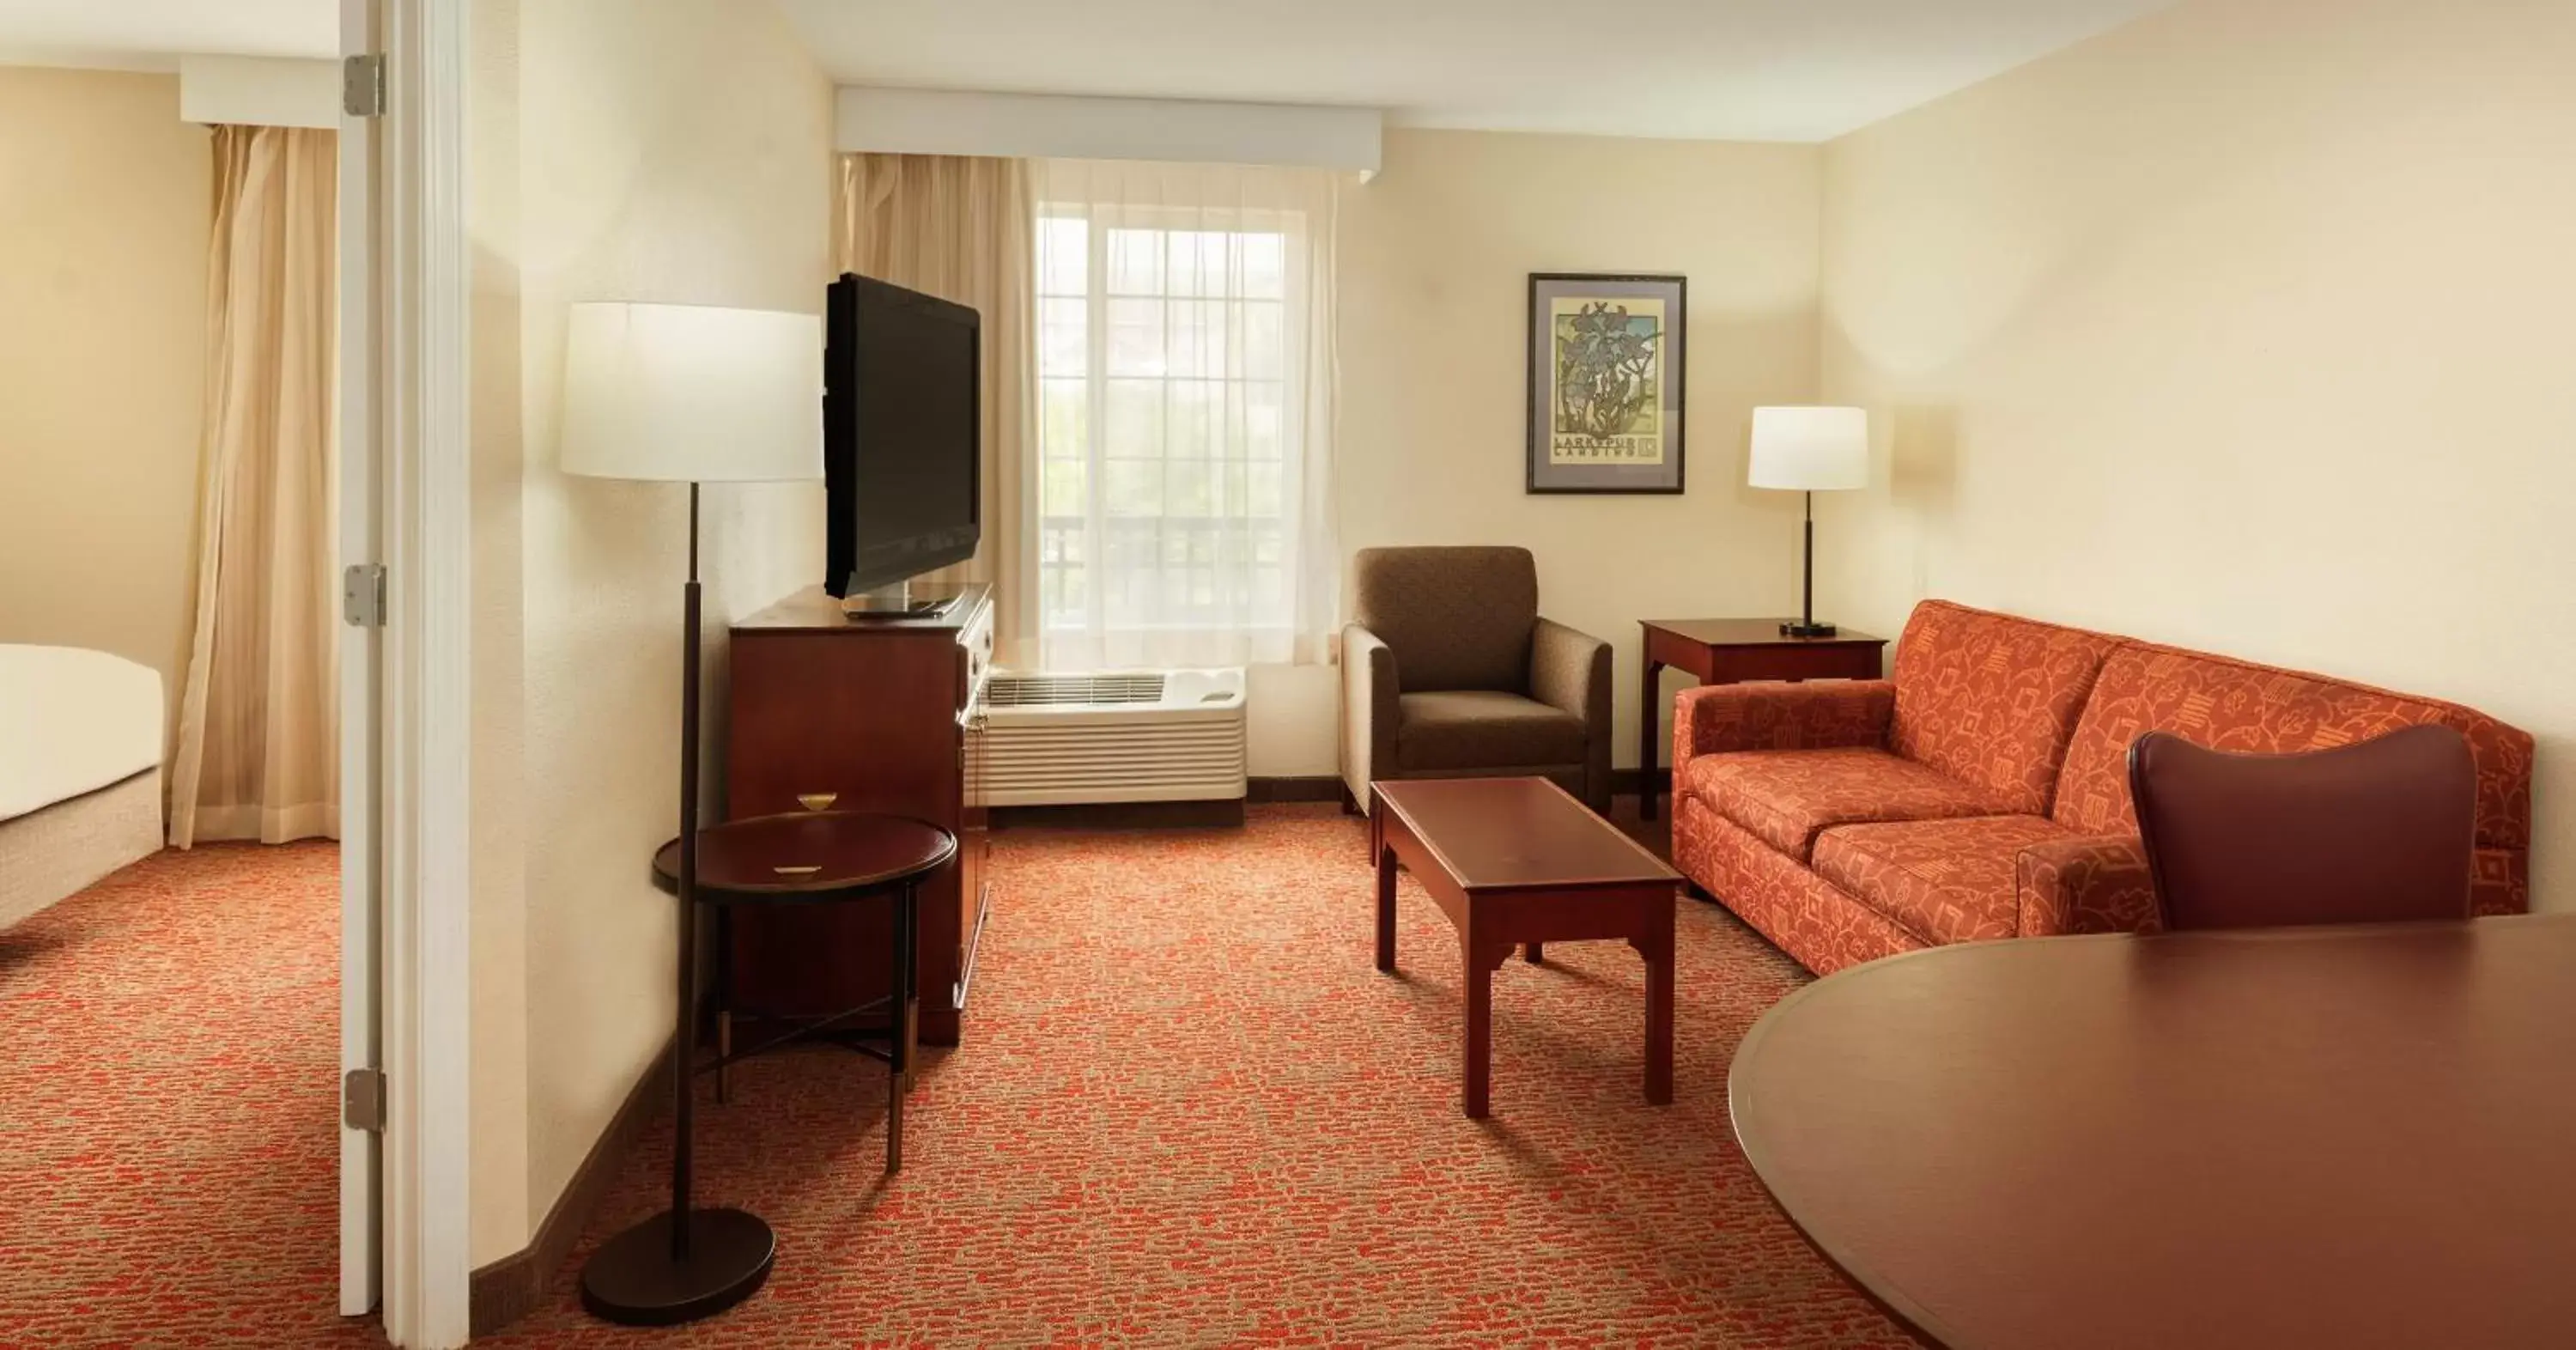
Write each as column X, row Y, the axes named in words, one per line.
column 1809, row 450
column 688, row 394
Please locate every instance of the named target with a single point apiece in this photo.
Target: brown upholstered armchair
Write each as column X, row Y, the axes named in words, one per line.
column 1449, row 672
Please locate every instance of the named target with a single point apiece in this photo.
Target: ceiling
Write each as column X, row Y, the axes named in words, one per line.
column 152, row 34
column 1794, row 70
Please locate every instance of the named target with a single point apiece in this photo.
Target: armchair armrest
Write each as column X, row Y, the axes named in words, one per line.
column 1570, row 672
column 2094, row 884
column 1369, row 711
column 1568, row 669
column 1769, row 715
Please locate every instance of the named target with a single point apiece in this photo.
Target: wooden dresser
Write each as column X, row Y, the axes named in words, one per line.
column 884, row 716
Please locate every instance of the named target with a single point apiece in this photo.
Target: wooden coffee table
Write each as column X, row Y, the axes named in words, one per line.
column 1519, row 862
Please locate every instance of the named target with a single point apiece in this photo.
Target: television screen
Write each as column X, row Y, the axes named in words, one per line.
column 902, row 434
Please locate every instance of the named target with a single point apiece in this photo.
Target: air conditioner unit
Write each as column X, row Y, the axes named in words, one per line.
column 1130, row 736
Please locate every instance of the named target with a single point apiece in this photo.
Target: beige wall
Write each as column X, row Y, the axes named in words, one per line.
column 501, row 1219
column 2245, row 327
column 105, row 213
column 675, row 152
column 1435, row 262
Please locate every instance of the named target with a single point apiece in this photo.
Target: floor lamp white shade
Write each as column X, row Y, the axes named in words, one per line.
column 692, row 394
column 1810, row 449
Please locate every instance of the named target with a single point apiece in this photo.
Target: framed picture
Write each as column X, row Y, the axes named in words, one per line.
column 1605, row 382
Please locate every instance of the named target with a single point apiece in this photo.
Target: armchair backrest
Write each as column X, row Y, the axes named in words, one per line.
column 1456, row 618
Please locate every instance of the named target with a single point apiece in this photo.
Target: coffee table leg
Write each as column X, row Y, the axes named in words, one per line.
column 1659, row 1016
column 1385, row 891
column 1532, row 954
column 1481, row 962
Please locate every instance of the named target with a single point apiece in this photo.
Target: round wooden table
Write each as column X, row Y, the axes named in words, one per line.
column 2348, row 1137
column 810, row 858
column 686, row 1263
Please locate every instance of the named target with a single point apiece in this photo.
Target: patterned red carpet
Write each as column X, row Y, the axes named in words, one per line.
column 1189, row 1112
column 169, row 1047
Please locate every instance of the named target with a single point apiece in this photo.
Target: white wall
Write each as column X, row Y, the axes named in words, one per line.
column 678, row 152
column 105, row 216
column 2247, row 327
column 1435, row 263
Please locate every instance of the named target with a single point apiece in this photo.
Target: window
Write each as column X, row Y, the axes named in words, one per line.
column 1181, row 374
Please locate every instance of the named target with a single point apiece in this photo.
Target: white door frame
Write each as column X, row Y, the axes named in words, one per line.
column 409, row 432
column 361, row 655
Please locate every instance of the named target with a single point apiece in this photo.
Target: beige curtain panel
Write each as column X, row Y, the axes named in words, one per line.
column 959, row 228
column 258, row 755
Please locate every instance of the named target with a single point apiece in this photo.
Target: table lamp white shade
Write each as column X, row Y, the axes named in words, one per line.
column 1810, row 449
column 692, row 394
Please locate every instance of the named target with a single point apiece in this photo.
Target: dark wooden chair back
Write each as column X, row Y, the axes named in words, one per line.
column 2369, row 833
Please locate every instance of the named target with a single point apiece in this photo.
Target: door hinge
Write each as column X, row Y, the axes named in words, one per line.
column 362, row 1100
column 362, row 595
column 362, row 85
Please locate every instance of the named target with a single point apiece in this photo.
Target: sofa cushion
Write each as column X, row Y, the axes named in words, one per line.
column 1941, row 880
column 1990, row 699
column 2236, row 705
column 1481, row 729
column 1786, row 797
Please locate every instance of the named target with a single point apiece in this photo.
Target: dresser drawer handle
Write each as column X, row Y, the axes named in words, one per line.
column 817, row 801
column 805, row 871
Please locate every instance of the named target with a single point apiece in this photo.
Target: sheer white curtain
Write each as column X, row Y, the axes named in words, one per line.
column 1186, row 408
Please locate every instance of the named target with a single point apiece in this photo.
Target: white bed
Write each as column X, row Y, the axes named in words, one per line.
column 80, row 771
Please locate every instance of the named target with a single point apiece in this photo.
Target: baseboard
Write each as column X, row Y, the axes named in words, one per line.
column 1310, row 788
column 1120, row 815
column 514, row 1286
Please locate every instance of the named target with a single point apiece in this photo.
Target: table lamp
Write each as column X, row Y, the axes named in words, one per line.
column 1809, row 450
column 688, row 394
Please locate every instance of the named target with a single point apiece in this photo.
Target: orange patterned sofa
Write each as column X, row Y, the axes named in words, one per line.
column 1983, row 792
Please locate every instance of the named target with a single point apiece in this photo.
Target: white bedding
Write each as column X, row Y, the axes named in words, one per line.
column 72, row 721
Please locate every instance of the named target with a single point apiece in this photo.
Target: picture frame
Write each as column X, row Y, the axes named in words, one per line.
column 1608, row 356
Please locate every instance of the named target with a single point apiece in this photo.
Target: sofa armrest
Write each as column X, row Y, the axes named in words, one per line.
column 2092, row 884
column 1570, row 672
column 1369, row 711
column 1768, row 715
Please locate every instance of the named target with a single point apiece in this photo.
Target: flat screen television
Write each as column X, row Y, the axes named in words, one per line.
column 902, row 435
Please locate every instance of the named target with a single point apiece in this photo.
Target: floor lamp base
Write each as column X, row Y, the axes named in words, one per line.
column 633, row 1280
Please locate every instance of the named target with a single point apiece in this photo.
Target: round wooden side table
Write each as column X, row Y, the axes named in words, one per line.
column 821, row 857
column 802, row 858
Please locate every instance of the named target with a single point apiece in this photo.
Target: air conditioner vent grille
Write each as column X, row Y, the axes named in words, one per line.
column 1140, row 736
column 1049, row 691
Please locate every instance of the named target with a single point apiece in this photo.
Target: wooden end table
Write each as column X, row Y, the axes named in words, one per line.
column 1727, row 651
column 821, row 857
column 1518, row 862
